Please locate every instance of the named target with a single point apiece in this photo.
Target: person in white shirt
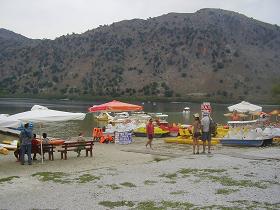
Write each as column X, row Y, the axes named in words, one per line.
column 206, row 133
column 45, row 138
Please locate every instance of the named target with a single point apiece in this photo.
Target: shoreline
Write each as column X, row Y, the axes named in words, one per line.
column 138, row 99
column 131, row 176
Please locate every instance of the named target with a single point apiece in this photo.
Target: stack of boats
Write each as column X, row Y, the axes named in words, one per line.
column 136, row 123
column 185, row 136
column 161, row 129
column 104, row 116
column 8, row 145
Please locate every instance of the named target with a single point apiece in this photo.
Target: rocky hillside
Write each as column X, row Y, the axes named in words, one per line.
column 212, row 54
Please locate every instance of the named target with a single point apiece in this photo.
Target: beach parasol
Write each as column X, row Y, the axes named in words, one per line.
column 40, row 114
column 115, row 106
column 244, row 107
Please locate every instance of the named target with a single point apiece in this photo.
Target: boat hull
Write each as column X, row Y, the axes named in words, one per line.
column 158, row 132
column 246, row 143
column 9, row 146
column 179, row 140
column 156, row 135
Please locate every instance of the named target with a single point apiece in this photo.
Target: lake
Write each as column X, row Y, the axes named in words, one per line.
column 72, row 128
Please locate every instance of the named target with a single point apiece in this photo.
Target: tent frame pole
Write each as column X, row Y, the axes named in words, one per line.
column 41, row 142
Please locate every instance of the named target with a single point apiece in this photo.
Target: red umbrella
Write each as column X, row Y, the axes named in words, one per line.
column 115, row 106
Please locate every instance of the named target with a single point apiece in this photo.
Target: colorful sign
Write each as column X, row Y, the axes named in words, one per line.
column 123, row 138
column 206, row 107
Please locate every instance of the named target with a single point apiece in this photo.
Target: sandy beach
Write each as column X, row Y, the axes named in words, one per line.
column 134, row 177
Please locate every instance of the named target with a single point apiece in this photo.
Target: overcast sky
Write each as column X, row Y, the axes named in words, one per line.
column 53, row 18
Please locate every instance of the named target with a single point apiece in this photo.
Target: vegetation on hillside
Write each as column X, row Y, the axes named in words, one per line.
column 213, row 55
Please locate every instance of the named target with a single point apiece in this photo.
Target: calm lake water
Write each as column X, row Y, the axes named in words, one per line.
column 72, row 128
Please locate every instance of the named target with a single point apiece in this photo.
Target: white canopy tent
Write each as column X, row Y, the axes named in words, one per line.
column 6, row 122
column 244, row 107
column 41, row 114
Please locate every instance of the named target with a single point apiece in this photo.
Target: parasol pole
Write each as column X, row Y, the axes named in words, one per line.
column 41, row 142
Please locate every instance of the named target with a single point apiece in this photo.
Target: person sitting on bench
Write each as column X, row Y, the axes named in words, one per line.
column 45, row 138
column 35, row 148
column 80, row 139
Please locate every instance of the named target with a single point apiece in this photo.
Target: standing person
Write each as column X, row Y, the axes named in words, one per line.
column 25, row 143
column 235, row 116
column 17, row 152
column 150, row 133
column 206, row 132
column 196, row 133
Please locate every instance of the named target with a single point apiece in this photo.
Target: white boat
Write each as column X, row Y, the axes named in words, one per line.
column 9, row 146
column 247, row 133
column 142, row 116
column 160, row 118
column 120, row 117
column 159, row 114
column 186, row 109
column 104, row 116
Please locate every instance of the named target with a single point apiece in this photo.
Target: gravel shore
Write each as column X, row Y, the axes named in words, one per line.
column 134, row 177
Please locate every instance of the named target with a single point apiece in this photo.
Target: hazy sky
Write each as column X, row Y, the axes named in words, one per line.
column 53, row 18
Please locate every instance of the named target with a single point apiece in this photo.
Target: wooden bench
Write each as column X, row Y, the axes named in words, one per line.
column 47, row 148
column 74, row 146
column 36, row 149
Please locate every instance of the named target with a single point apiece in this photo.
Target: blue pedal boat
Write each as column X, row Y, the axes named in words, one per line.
column 246, row 143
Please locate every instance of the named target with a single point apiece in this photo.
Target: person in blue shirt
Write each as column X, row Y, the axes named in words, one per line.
column 25, row 139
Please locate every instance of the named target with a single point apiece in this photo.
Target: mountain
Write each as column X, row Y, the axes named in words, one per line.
column 10, row 40
column 212, row 54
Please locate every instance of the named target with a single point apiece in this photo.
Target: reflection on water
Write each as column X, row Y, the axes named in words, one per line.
column 186, row 117
column 73, row 128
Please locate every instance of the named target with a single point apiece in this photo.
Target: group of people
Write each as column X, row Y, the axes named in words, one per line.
column 202, row 130
column 28, row 143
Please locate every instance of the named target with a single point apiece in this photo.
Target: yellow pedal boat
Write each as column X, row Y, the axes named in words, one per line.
column 141, row 132
column 188, row 141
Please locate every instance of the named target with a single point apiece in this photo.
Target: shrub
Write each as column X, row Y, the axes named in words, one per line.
column 220, row 65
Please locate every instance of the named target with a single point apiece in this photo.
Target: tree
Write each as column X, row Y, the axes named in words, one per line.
column 276, row 89
column 168, row 93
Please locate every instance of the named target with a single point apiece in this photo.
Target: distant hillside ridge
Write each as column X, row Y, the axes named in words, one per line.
column 212, row 54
